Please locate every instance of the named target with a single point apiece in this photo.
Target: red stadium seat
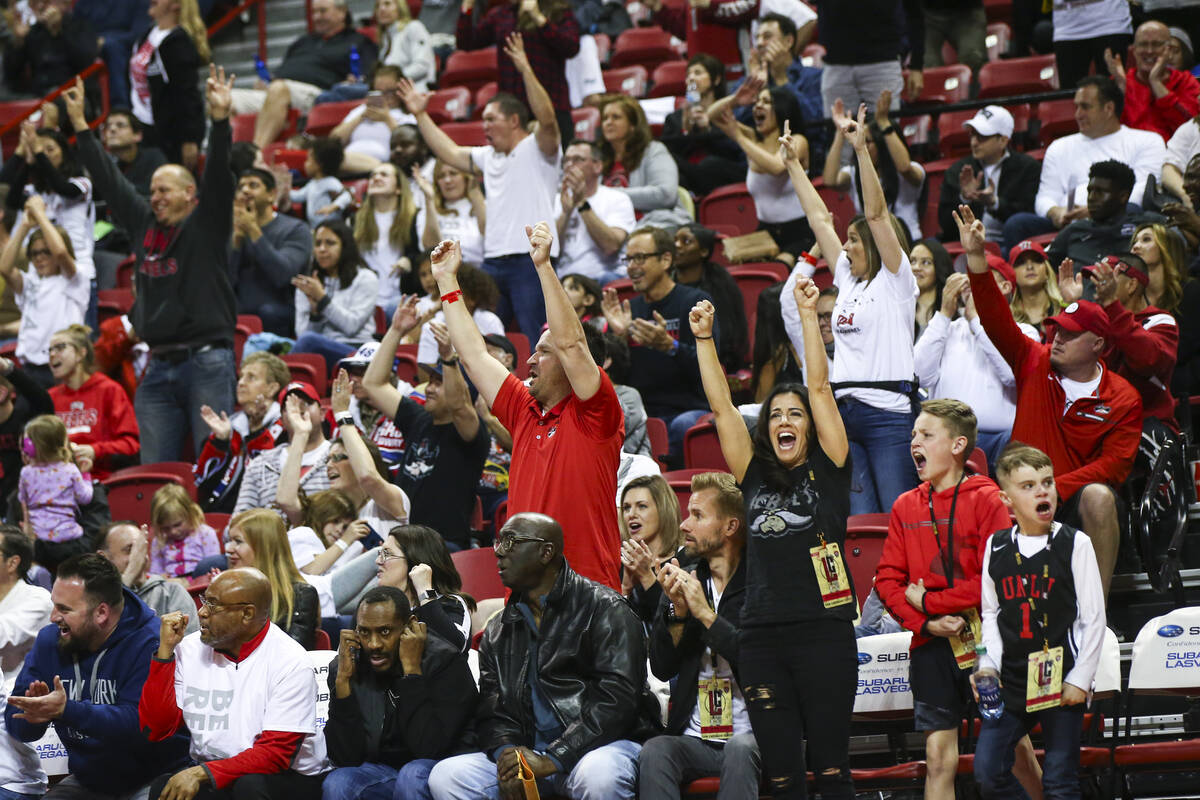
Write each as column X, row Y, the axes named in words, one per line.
column 277, row 153
column 587, row 122
column 680, row 481
column 627, row 80
column 521, row 342
column 935, row 175
column 978, row 462
column 465, row 134
column 327, row 116
column 646, row 47
column 840, row 204
column 247, row 325
column 669, row 79
column 310, row 368
column 656, row 432
column 813, row 56
column 450, row 104
column 1056, row 119
column 1018, row 76
column 949, row 84
column 125, row 272
column 243, row 126
column 732, row 205
column 470, row 68
column 865, row 534
column 998, row 10
column 321, row 641
column 477, row 568
column 131, row 489
column 996, row 40
column 623, row 287
column 751, row 283
column 483, row 96
column 776, row 268
column 217, row 520
column 915, row 130
column 114, row 303
column 702, row 449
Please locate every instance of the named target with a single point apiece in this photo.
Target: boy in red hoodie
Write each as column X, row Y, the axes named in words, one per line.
column 928, row 577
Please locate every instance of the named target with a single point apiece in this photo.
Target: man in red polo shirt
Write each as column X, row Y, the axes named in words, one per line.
column 566, row 422
column 1087, row 418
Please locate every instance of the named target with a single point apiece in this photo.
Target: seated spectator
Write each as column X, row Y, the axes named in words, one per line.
column 445, row 443
column 1108, row 224
column 694, row 248
column 650, row 537
column 96, row 410
column 995, row 181
column 335, row 305
column 328, row 537
column 367, row 130
column 267, row 251
column 454, row 209
column 85, row 675
column 127, row 547
column 21, row 399
column 415, row 560
column 403, row 47
column 902, row 178
column 1158, row 97
column 1187, row 366
column 1182, row 147
column 593, row 221
column 963, row 26
column 1161, row 250
column 1179, row 51
column 383, row 230
column 779, row 212
column 638, row 165
column 1093, row 440
column 325, row 198
column 1062, row 190
column 554, row 618
column 235, row 441
column 1037, row 296
column 258, row 538
column 269, row 748
column 480, row 295
column 377, row 427
column 180, row 536
column 260, row 483
column 406, row 149
column 706, row 158
column 931, row 267
column 163, row 92
column 39, row 59
column 390, row 661
column 1143, row 340
column 779, row 38
column 125, row 141
column 663, row 365
column 313, row 63
column 694, row 644
column 49, row 288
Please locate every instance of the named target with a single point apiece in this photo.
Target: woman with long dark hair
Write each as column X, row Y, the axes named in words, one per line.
column 335, row 304
column 414, row 559
column 693, row 265
column 931, row 266
column 706, row 157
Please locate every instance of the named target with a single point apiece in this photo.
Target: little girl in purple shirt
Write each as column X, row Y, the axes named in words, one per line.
column 51, row 489
column 180, row 537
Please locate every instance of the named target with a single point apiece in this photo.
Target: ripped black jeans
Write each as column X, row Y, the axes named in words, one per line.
column 799, row 681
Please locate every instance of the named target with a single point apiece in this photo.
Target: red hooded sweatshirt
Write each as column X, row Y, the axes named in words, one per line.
column 99, row 414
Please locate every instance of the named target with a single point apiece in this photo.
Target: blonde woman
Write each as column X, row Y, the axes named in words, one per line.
column 404, row 42
column 460, row 212
column 1037, row 295
column 383, row 229
column 650, row 537
column 1163, row 253
column 164, row 93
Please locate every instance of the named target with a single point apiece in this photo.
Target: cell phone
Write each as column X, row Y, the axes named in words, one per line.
column 375, row 99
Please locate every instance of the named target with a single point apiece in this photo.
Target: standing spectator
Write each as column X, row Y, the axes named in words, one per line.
column 270, row 748
column 52, row 490
column 186, row 308
column 383, row 229
column 520, row 176
column 694, row 247
column 580, row 735
column 266, row 252
column 335, row 306
column 46, row 55
column 1108, row 225
column 21, row 399
column 454, row 209
column 1158, row 97
column 1037, row 296
column 995, row 181
column 932, row 267
column 414, row 559
column 312, row 64
column 100, row 639
column 1083, row 33
column 705, row 157
column 593, row 221
column 367, row 130
column 572, row 474
column 963, row 25
column 638, row 165
column 127, row 547
column 164, row 93
column 117, row 26
column 125, row 141
column 1062, row 190
column 404, row 43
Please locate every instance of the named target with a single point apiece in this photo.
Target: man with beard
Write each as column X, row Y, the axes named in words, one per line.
column 697, row 646
column 85, row 675
column 244, row 690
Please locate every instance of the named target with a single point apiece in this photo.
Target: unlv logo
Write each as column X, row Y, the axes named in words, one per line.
column 843, row 319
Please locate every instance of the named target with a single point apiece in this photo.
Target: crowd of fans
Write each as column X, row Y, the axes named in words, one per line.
column 1052, row 320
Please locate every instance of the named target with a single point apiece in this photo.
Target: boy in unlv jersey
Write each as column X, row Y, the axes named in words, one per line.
column 1043, row 625
column 928, row 577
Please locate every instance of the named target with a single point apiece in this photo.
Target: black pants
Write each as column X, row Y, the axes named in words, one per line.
column 799, row 681
column 1076, row 57
column 51, row 554
column 280, row 786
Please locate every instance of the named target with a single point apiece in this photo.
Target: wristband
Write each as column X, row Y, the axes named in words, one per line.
column 341, row 545
column 450, row 297
column 694, row 336
column 344, row 418
column 887, row 130
column 452, row 361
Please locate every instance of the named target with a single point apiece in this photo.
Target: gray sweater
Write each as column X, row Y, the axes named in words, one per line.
column 163, row 596
column 262, row 271
column 654, row 189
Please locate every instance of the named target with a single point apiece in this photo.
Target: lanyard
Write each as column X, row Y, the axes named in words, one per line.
column 947, row 555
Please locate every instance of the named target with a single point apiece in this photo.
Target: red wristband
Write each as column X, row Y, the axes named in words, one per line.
column 450, row 297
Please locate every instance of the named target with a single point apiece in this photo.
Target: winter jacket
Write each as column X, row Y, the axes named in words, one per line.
column 222, row 464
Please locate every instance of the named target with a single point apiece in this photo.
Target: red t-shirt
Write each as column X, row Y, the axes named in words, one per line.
column 564, row 465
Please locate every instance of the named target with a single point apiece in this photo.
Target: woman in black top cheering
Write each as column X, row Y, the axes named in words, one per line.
column 799, row 665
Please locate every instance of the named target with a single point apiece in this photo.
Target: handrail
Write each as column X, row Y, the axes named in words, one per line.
column 97, row 67
column 236, row 12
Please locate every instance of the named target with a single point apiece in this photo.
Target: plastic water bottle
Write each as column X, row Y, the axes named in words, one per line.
column 355, row 63
column 693, row 94
column 987, row 684
column 260, row 67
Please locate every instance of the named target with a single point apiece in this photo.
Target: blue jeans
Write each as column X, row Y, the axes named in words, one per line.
column 606, row 773
column 341, row 92
column 169, row 398
column 881, row 463
column 8, row 794
column 331, row 350
column 520, row 292
column 994, row 754
column 992, row 445
column 1024, row 225
column 676, row 428
column 379, row 782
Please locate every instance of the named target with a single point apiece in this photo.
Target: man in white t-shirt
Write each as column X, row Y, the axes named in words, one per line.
column 245, row 692
column 520, row 176
column 593, row 220
column 1062, row 192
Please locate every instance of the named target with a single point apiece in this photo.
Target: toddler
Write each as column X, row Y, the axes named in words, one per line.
column 51, row 489
column 324, row 196
column 181, row 539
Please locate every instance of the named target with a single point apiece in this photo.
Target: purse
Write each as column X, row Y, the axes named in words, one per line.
column 757, row 246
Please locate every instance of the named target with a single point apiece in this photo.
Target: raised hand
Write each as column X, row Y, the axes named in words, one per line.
column 73, row 99
column 218, row 91
column 805, row 293
column 405, row 317
column 422, row 182
column 971, row 232
column 420, row 578
column 855, row 130
column 748, row 92
column 412, row 645
column 1160, row 71
column 638, row 562
column 789, row 144
column 672, row 587
column 1104, row 279
column 540, row 239
column 415, row 101
column 616, row 312
column 1116, row 69
column 445, row 260
column 700, row 319
column 955, row 285
column 442, row 335
column 725, row 122
column 171, row 630
column 837, row 113
column 1070, row 285
column 514, row 48
column 35, row 207
column 339, row 398
column 348, row 648
column 298, row 420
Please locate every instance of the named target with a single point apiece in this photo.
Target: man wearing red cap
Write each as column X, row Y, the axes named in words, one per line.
column 303, row 426
column 1086, row 418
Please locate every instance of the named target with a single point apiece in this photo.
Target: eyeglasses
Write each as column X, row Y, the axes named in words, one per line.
column 58, row 347
column 638, row 259
column 384, row 556
column 505, row 542
column 1153, row 45
column 213, row 607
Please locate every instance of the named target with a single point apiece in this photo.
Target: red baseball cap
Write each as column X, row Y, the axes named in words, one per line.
column 1083, row 315
column 1121, row 265
column 1025, row 247
column 998, row 264
column 305, row 390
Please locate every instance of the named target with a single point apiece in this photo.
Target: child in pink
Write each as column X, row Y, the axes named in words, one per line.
column 51, row 489
column 180, row 537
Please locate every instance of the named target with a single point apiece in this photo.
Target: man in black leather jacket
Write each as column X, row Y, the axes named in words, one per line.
column 577, row 713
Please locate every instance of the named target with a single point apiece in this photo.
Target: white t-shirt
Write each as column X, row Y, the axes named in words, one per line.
column 1090, row 19
column 382, row 257
column 873, row 332
column 714, row 665
column 427, row 349
column 78, row 218
column 1068, row 160
column 584, row 73
column 1075, row 390
column 227, row 704
column 774, row 197
column 20, row 766
column 579, row 250
column 24, row 611
column 47, row 305
column 139, row 70
column 461, row 227
column 908, row 198
column 1184, row 144
column 520, row 187
column 307, row 545
column 373, row 138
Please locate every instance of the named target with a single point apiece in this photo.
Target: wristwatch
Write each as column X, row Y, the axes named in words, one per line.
column 585, row 206
column 427, row 595
column 452, row 361
column 344, row 418
column 887, row 130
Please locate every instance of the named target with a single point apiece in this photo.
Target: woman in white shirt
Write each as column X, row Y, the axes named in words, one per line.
column 335, row 306
column 931, row 266
column 383, row 229
column 404, row 42
column 873, row 318
column 460, row 212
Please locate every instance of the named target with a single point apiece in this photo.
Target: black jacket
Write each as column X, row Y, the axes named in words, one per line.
column 306, row 616
column 1086, row 241
column 175, row 98
column 424, row 716
column 183, row 291
column 668, row 660
column 43, row 61
column 29, row 400
column 1019, row 178
column 592, row 667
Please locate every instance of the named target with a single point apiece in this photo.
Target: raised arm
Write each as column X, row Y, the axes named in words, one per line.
column 831, row 433
column 431, row 234
column 439, row 142
column 12, row 254
column 874, row 203
column 35, row 207
column 454, row 388
column 736, row 444
column 287, row 493
column 994, row 313
column 377, row 380
column 540, row 105
column 905, row 166
column 388, row 496
column 832, row 173
column 566, row 331
column 819, row 217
